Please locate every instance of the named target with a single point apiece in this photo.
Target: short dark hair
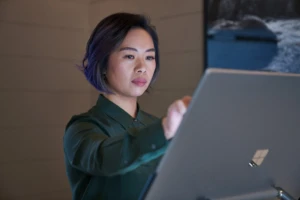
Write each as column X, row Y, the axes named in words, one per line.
column 105, row 38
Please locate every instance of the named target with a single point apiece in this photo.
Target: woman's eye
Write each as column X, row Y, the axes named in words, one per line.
column 150, row 58
column 129, row 56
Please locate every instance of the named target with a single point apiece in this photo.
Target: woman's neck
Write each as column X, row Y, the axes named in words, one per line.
column 128, row 104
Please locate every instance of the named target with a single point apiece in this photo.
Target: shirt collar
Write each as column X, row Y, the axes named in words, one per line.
column 116, row 112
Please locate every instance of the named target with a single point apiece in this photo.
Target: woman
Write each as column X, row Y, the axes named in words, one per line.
column 111, row 149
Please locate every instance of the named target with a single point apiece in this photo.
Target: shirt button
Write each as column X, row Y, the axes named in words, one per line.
column 125, row 162
column 135, row 120
column 153, row 146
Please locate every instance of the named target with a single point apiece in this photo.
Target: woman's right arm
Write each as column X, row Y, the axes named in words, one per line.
column 89, row 149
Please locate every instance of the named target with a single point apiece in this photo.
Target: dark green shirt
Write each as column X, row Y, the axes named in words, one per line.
column 109, row 154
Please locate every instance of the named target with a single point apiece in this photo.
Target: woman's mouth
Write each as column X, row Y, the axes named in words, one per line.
column 139, row 82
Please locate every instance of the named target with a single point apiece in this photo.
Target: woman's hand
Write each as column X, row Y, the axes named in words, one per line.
column 174, row 116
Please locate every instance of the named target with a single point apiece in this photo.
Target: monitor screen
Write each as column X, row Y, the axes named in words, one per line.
column 253, row 34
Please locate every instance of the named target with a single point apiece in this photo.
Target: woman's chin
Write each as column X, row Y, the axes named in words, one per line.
column 138, row 92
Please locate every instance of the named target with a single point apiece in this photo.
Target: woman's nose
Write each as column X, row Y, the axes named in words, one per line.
column 140, row 67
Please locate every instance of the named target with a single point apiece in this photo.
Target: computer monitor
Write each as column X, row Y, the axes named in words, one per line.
column 253, row 34
column 239, row 140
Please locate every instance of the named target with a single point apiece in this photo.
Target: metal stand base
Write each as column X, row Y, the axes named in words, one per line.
column 283, row 195
column 276, row 192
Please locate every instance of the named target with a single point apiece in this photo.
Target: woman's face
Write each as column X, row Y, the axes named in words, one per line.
column 132, row 65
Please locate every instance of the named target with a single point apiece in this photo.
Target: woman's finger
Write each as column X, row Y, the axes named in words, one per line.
column 186, row 100
column 180, row 107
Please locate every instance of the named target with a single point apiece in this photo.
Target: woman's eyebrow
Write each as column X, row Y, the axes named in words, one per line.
column 134, row 49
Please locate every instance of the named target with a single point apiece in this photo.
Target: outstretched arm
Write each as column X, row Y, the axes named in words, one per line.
column 89, row 149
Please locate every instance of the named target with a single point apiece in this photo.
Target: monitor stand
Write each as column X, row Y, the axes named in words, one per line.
column 274, row 193
column 283, row 195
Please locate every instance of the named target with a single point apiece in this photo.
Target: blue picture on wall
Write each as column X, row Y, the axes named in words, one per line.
column 253, row 34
